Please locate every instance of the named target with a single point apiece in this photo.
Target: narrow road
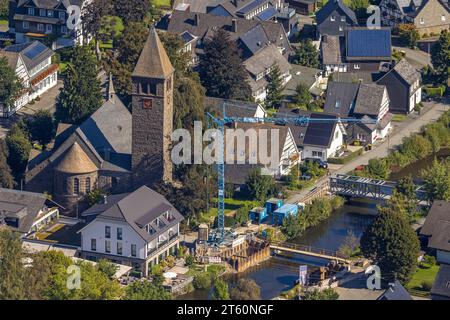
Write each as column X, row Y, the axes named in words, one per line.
column 431, row 113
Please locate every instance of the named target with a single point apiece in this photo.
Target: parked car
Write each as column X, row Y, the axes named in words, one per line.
column 322, row 164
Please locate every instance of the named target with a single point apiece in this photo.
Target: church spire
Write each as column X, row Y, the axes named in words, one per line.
column 111, row 91
column 153, row 61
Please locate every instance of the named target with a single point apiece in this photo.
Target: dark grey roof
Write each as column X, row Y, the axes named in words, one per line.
column 180, row 22
column 233, row 108
column 139, row 208
column 22, row 204
column 198, row 5
column 395, row 292
column 332, row 5
column 255, row 39
column 332, row 50
column 320, row 133
column 51, row 4
column 301, row 75
column 355, row 77
column 441, row 285
column 405, row 70
column 437, row 226
column 238, row 173
column 369, row 99
column 340, row 98
column 265, row 59
column 98, row 208
column 32, row 53
column 110, row 128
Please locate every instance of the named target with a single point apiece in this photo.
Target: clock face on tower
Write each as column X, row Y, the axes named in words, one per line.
column 147, row 103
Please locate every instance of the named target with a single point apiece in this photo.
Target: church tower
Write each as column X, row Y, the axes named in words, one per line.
column 152, row 112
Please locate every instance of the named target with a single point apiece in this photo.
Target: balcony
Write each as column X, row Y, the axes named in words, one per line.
column 163, row 244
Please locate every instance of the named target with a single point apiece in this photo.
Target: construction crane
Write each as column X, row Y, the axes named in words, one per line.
column 301, row 120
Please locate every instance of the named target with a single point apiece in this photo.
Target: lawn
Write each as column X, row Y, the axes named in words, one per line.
column 399, row 117
column 230, row 205
column 422, row 275
column 162, row 3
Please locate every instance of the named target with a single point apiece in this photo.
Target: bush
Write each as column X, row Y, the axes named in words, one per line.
column 426, row 285
column 190, row 260
column 344, row 160
column 434, row 91
column 429, row 260
column 202, row 281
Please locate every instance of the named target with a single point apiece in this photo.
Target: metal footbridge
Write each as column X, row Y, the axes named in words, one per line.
column 361, row 187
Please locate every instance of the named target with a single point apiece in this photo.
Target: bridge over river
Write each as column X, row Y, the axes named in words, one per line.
column 361, row 187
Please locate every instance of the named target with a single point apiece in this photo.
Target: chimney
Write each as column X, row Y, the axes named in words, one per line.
column 197, row 20
column 234, row 25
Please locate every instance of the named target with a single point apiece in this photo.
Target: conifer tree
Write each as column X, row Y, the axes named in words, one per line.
column 274, row 88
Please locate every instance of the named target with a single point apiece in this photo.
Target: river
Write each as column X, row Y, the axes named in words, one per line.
column 279, row 274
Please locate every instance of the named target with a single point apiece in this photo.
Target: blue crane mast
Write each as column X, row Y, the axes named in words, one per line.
column 301, row 120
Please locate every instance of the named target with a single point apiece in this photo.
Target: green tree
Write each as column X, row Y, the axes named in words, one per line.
column 11, row 266
column 293, row 226
column 81, row 95
column 325, row 294
column 408, row 34
column 42, row 127
column 245, row 289
column 302, row 96
column 4, row 9
column 19, row 148
column 407, row 188
column 107, row 268
column 293, row 177
column 94, row 13
column 391, row 243
column 241, row 216
column 306, row 55
column 436, row 181
column 440, row 57
column 221, row 69
column 6, row 178
column 259, row 185
column 274, row 87
column 10, row 85
column 378, row 168
column 132, row 10
column 220, row 290
column 202, row 281
column 146, row 291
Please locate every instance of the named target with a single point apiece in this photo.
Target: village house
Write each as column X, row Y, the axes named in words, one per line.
column 32, row 62
column 369, row 102
column 403, row 83
column 249, row 35
column 429, row 16
column 138, row 229
column 259, row 67
column 37, row 19
column 437, row 230
column 26, row 212
column 358, row 50
column 249, row 111
column 311, row 78
column 323, row 140
column 334, row 18
column 305, row 7
column 441, row 284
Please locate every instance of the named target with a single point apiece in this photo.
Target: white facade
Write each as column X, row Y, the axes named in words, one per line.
column 290, row 155
column 324, row 153
column 416, row 95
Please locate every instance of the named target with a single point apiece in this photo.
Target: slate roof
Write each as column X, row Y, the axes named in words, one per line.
column 366, row 44
column 340, row 98
column 369, row 99
column 32, row 53
column 441, row 285
column 181, row 21
column 332, row 5
column 406, row 71
column 153, row 61
column 255, row 39
column 405, row 5
column 233, row 108
column 332, row 50
column 437, row 226
column 320, row 133
column 18, row 200
column 265, row 59
column 267, row 14
column 51, row 4
column 11, row 58
column 301, row 75
column 139, row 208
column 395, row 292
column 98, row 208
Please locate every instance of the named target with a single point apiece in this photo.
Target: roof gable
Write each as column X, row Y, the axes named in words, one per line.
column 332, row 6
column 320, row 133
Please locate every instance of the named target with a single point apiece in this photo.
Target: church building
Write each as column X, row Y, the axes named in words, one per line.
column 113, row 150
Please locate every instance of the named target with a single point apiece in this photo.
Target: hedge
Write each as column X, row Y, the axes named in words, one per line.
column 434, row 91
column 344, row 160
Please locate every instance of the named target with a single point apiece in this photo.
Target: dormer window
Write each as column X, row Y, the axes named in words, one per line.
column 31, row 11
column 333, row 18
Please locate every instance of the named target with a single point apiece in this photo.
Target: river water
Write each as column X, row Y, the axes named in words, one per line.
column 279, row 274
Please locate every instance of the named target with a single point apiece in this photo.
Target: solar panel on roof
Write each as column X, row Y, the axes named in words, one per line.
column 35, row 51
column 369, row 43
